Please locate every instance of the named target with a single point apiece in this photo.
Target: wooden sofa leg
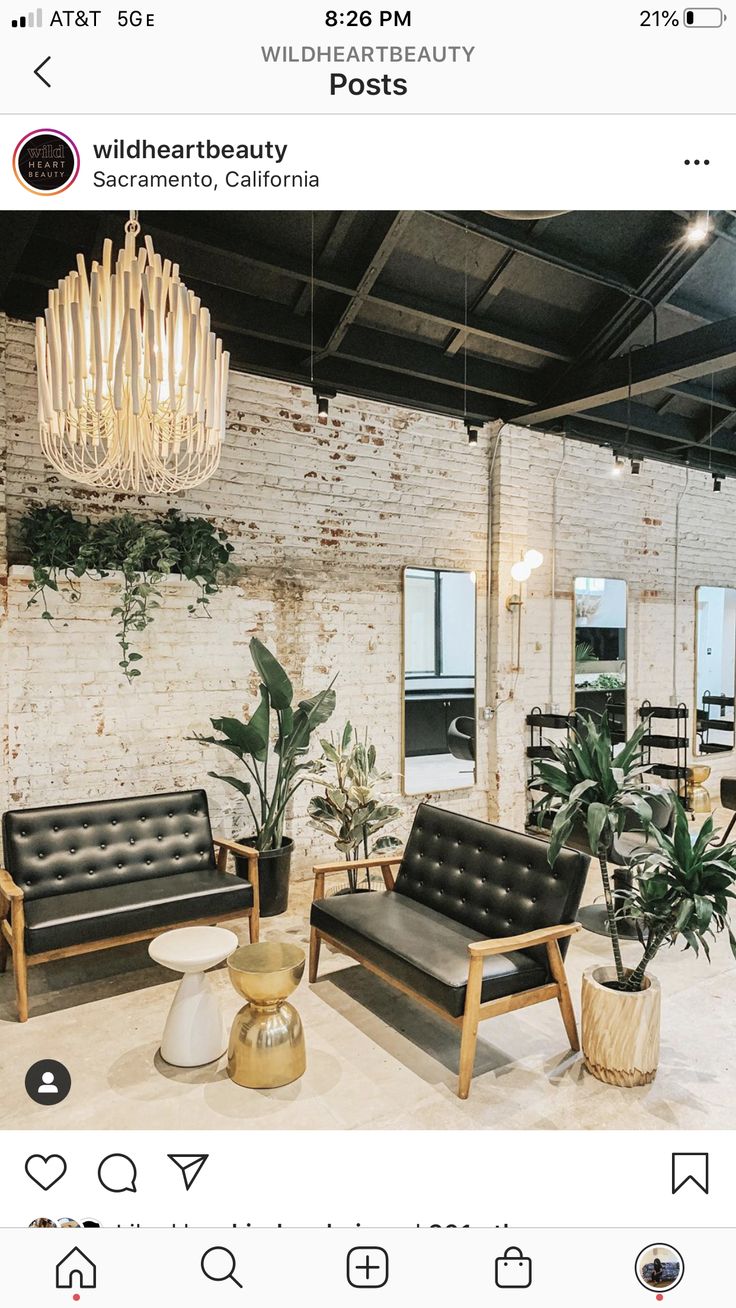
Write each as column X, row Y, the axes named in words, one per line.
column 557, row 968
column 315, row 944
column 4, row 950
column 20, row 966
column 471, row 1018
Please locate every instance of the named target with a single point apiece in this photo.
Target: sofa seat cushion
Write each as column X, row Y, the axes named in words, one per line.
column 422, row 949
column 59, row 921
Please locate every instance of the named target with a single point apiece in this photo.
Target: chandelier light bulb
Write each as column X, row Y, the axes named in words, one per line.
column 534, row 558
column 132, row 381
column 521, row 571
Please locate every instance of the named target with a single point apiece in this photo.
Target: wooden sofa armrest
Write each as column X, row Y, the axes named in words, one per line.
column 224, row 847
column 503, row 944
column 8, row 888
column 232, row 847
column 385, row 863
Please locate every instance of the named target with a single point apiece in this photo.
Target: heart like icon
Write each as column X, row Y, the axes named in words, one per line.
column 45, row 1171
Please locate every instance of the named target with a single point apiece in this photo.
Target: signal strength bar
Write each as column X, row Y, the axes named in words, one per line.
column 34, row 19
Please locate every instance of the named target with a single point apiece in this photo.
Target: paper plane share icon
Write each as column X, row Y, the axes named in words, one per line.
column 190, row 1165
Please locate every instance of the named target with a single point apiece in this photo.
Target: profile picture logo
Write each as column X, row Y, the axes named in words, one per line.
column 46, row 162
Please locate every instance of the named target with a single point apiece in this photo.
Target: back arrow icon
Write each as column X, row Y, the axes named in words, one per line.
column 39, row 74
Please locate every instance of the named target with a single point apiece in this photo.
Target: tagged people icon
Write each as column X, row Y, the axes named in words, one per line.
column 48, row 1082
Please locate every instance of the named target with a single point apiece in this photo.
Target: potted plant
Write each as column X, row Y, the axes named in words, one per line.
column 276, row 768
column 681, row 889
column 348, row 809
column 587, row 786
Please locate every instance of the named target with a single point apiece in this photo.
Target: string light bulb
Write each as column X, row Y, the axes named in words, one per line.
column 521, row 571
column 698, row 230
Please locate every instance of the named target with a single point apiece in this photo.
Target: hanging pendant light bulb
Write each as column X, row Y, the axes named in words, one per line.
column 132, row 381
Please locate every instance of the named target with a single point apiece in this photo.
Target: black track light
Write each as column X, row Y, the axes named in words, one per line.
column 717, row 482
column 323, row 395
column 636, row 466
column 472, row 430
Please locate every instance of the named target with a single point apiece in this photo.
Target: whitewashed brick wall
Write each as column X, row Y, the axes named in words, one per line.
column 324, row 515
column 605, row 526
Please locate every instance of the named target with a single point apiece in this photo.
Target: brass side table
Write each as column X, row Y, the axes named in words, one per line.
column 266, row 1046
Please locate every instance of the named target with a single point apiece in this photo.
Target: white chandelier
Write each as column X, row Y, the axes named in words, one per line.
column 132, row 383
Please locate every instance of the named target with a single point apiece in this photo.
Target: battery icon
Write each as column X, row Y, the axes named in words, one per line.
column 703, row 17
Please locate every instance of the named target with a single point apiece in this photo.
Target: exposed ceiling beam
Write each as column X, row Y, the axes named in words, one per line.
column 641, row 419
column 329, row 254
column 648, row 447
column 675, row 262
column 589, row 269
column 249, row 354
column 389, row 229
column 494, row 283
column 485, row 328
column 400, row 354
column 695, row 354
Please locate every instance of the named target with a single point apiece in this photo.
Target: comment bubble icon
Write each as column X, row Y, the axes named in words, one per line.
column 118, row 1174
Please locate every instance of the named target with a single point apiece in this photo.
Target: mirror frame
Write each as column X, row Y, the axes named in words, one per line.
column 627, row 712
column 721, row 753
column 433, row 567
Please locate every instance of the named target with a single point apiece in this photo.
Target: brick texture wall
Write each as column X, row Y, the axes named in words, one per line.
column 324, row 515
column 564, row 501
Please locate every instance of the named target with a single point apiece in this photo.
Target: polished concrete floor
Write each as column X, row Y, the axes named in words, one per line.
column 376, row 1060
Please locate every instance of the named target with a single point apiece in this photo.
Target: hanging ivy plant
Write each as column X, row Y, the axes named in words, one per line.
column 145, row 551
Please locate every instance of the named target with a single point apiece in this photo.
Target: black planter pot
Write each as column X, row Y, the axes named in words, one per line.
column 274, row 869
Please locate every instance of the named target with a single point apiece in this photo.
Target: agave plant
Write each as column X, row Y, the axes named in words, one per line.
column 585, row 784
column 349, row 809
column 683, row 888
column 276, row 769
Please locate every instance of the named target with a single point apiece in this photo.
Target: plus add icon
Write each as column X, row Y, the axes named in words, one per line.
column 367, row 1267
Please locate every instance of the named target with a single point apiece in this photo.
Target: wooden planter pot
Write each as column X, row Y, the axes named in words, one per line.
column 620, row 1031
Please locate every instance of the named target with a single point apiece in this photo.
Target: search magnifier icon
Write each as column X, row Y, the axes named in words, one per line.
column 218, row 1264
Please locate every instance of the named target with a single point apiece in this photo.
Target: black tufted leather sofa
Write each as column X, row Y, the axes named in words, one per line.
column 476, row 923
column 81, row 877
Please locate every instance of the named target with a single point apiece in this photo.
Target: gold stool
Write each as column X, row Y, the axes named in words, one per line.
column 266, row 1046
column 698, row 797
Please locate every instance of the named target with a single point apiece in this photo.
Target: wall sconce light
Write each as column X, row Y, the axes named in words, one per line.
column 324, row 394
column 472, row 430
column 717, row 482
column 617, row 466
column 636, row 466
column 521, row 571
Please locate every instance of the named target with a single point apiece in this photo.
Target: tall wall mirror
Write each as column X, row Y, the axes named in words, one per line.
column 439, row 680
column 715, row 668
column 600, row 650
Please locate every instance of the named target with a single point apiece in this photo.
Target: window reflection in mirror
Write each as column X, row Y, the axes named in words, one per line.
column 439, row 680
column 715, row 668
column 600, row 650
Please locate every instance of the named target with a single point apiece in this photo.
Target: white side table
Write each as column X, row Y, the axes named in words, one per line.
column 195, row 1031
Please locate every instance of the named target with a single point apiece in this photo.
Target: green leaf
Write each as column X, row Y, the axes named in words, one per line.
column 561, row 828
column 242, row 736
column 272, row 675
column 243, row 787
column 596, row 819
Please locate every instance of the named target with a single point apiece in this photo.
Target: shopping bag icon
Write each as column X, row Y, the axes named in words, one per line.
column 513, row 1270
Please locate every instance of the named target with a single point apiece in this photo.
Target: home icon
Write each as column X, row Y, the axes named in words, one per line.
column 76, row 1271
